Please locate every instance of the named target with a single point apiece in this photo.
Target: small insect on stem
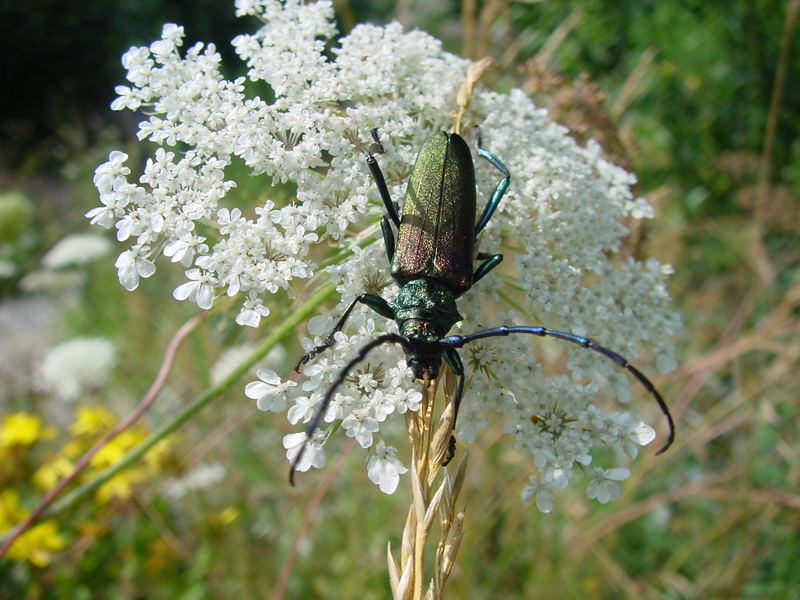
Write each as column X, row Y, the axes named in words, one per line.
column 433, row 262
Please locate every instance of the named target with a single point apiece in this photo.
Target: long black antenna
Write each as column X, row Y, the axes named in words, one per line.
column 458, row 341
column 323, row 407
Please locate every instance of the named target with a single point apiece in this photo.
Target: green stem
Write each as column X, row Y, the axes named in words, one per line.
column 286, row 327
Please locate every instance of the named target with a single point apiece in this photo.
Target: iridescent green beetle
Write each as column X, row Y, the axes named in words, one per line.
column 433, row 262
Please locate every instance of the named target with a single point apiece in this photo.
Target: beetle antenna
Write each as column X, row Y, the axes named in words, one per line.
column 458, row 341
column 326, row 401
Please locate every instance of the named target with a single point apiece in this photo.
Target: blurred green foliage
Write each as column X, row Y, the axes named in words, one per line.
column 686, row 92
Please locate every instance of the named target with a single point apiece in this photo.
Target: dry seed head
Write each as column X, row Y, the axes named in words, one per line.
column 474, row 73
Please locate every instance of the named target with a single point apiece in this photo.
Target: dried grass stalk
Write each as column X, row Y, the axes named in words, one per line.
column 474, row 73
column 429, row 442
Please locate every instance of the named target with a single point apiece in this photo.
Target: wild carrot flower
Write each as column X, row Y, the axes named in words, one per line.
column 74, row 366
column 563, row 212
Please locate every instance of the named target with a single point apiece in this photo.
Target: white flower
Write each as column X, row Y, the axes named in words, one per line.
column 544, row 496
column 383, row 468
column 112, row 174
column 627, row 431
column 360, row 425
column 228, row 361
column 252, row 311
column 313, row 455
column 303, row 409
column 604, row 484
column 77, row 249
column 7, row 269
column 74, row 366
column 130, row 266
column 201, row 476
column 270, row 392
column 326, row 97
column 185, row 248
column 199, row 289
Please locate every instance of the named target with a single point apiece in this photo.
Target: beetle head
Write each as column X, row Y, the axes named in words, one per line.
column 423, row 353
column 423, row 365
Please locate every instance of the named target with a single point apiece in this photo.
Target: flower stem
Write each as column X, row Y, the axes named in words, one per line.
column 286, row 327
column 83, row 462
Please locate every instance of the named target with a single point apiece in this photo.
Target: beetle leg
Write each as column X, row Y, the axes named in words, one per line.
column 388, row 237
column 499, row 191
column 453, row 360
column 490, row 263
column 376, row 303
column 377, row 175
column 458, row 341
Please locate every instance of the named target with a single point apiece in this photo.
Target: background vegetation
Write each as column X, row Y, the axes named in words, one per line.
column 698, row 98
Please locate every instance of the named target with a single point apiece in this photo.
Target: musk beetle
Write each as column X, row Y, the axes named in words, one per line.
column 432, row 261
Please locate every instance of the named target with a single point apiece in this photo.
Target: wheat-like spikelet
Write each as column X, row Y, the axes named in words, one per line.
column 429, row 443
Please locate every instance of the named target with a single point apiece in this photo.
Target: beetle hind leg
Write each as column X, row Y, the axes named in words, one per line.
column 499, row 191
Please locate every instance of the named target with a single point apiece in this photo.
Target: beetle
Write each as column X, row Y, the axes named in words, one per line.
column 432, row 261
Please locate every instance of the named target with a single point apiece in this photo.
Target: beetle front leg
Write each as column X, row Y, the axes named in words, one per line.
column 380, row 181
column 376, row 303
column 453, row 360
column 388, row 237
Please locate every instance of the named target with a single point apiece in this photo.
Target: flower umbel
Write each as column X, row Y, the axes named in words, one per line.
column 563, row 211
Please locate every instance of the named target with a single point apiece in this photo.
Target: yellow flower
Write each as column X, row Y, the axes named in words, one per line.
column 120, row 486
column 114, row 450
column 23, row 429
column 75, row 448
column 10, row 512
column 92, row 421
column 157, row 454
column 160, row 556
column 50, row 473
column 229, row 515
column 36, row 544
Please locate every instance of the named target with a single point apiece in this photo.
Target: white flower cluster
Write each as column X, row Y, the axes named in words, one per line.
column 74, row 366
column 76, row 250
column 562, row 211
column 199, row 477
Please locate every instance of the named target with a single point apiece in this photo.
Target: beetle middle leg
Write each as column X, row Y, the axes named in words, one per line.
column 392, row 208
column 376, row 303
column 490, row 261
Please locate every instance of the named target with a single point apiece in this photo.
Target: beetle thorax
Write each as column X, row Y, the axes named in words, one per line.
column 425, row 310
